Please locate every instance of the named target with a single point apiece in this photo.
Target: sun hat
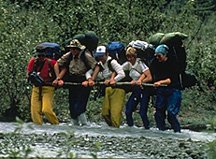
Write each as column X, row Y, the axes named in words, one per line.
column 76, row 44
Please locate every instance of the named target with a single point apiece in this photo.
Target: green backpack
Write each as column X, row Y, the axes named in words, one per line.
column 177, row 52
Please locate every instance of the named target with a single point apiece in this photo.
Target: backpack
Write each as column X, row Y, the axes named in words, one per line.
column 155, row 39
column 51, row 50
column 144, row 50
column 177, row 52
column 89, row 39
column 116, row 50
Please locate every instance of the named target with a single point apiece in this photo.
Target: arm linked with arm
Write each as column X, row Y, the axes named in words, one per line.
column 166, row 81
column 146, row 76
column 120, row 74
column 91, row 76
column 59, row 75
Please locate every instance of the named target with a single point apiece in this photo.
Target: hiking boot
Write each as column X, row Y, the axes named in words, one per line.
column 82, row 119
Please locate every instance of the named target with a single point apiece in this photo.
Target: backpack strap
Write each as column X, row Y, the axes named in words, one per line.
column 36, row 65
column 82, row 57
column 139, row 62
column 110, row 65
column 51, row 70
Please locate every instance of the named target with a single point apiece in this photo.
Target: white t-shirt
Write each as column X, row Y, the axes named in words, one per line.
column 136, row 70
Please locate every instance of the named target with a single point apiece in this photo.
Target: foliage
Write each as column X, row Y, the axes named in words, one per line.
column 23, row 24
column 212, row 149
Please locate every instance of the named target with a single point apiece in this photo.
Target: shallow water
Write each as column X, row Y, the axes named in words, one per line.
column 97, row 130
column 104, row 130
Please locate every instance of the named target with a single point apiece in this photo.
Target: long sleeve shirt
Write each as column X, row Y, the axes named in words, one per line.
column 106, row 72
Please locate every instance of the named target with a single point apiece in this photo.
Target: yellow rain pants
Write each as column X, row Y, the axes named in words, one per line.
column 113, row 105
column 43, row 105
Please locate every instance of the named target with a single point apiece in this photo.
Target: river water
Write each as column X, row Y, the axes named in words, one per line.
column 87, row 135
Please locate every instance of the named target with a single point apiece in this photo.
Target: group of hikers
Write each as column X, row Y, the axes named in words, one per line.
column 84, row 67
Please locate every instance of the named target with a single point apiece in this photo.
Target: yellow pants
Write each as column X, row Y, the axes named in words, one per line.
column 113, row 105
column 43, row 105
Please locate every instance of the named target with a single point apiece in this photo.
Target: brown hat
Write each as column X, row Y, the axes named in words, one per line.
column 76, row 44
column 131, row 51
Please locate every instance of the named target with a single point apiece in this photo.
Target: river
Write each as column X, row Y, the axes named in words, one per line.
column 99, row 140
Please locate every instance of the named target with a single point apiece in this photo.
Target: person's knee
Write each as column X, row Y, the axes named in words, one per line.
column 46, row 110
column 128, row 112
column 143, row 115
column 172, row 112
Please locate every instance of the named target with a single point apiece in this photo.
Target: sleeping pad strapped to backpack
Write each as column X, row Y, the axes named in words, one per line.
column 174, row 41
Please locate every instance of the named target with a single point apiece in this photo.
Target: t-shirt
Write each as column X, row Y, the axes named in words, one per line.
column 164, row 70
column 47, row 65
column 136, row 70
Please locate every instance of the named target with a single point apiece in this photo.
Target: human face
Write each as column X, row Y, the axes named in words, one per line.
column 131, row 59
column 41, row 56
column 102, row 58
column 161, row 57
column 75, row 51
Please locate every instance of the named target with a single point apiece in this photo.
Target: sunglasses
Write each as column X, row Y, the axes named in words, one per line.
column 130, row 56
column 158, row 55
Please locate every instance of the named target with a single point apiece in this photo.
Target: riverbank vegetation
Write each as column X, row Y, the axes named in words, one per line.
column 23, row 24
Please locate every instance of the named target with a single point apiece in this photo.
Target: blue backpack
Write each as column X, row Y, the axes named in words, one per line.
column 51, row 50
column 116, row 50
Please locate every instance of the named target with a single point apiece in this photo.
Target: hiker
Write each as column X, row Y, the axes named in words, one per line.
column 41, row 68
column 77, row 62
column 139, row 73
column 168, row 98
column 114, row 97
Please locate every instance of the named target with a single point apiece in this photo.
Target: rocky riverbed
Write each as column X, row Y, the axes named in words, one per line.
column 27, row 140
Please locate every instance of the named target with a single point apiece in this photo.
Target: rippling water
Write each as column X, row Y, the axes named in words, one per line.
column 97, row 130
column 103, row 129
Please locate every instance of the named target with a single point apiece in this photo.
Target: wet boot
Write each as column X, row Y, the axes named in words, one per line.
column 82, row 119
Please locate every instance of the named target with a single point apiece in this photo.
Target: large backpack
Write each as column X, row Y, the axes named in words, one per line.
column 50, row 49
column 116, row 50
column 89, row 39
column 144, row 50
column 177, row 52
column 174, row 41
